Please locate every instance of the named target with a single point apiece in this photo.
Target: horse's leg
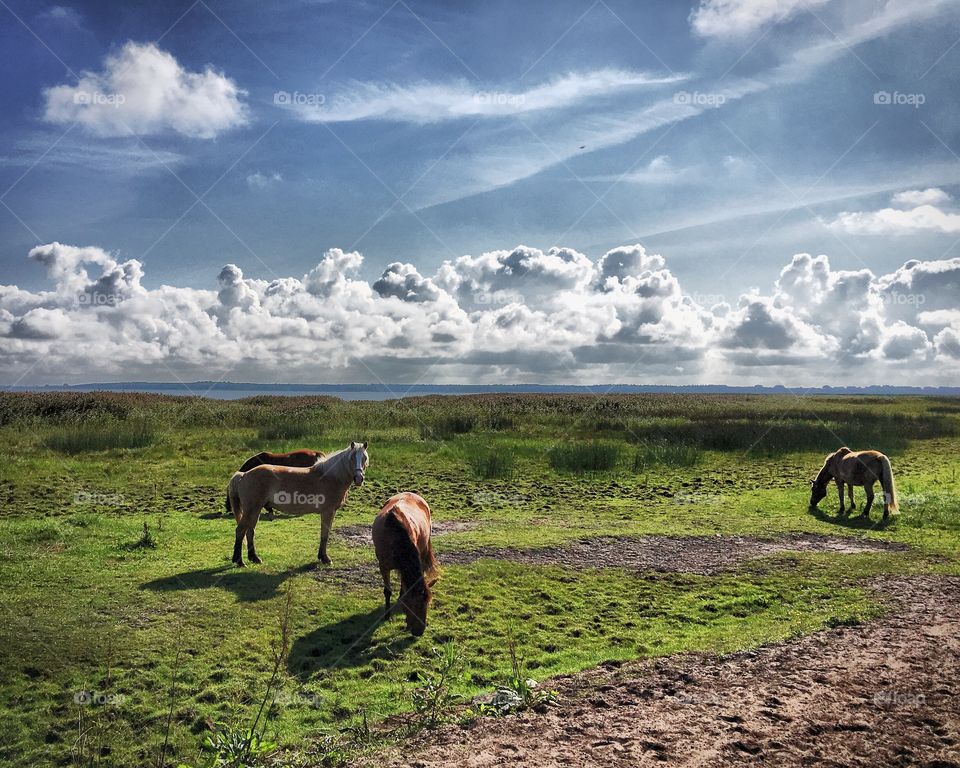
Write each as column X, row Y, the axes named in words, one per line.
column 385, row 574
column 850, row 494
column 868, row 487
column 840, row 492
column 241, row 528
column 326, row 523
column 251, row 527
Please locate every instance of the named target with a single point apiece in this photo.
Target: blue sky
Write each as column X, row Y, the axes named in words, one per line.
column 722, row 137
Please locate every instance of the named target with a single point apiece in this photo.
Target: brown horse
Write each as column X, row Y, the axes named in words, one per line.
column 856, row 468
column 319, row 488
column 401, row 538
column 302, row 457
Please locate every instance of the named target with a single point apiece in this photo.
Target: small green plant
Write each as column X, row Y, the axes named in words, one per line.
column 434, row 697
column 584, row 457
column 230, row 747
column 146, row 540
column 491, row 463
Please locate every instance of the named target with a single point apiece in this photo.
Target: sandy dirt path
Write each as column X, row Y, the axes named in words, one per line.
column 886, row 693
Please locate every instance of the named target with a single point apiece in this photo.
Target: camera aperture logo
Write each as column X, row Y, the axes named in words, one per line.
column 298, row 99
column 299, row 499
column 699, row 99
column 898, row 99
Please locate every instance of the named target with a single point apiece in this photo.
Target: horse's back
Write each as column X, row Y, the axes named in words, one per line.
column 303, row 457
column 411, row 511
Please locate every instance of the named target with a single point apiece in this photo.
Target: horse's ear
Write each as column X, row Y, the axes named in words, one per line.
column 353, row 445
column 364, row 445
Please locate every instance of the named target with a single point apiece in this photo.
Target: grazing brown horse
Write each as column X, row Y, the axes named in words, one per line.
column 401, row 538
column 856, row 468
column 319, row 488
column 302, row 457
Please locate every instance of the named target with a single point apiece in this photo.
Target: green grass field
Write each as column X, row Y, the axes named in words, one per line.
column 121, row 609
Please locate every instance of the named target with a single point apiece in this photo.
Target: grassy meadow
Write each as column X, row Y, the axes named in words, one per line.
column 129, row 637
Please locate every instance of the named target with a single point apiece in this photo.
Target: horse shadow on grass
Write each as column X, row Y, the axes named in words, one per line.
column 851, row 521
column 349, row 642
column 249, row 585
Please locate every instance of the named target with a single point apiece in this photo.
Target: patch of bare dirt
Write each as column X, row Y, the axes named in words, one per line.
column 358, row 534
column 687, row 554
column 882, row 694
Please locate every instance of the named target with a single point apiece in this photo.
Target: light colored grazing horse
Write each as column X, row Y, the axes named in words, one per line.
column 401, row 538
column 856, row 468
column 320, row 488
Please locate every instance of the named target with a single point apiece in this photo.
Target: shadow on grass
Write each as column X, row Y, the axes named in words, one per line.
column 249, row 585
column 852, row 521
column 346, row 643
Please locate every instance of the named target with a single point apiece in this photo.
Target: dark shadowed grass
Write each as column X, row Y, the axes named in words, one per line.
column 83, row 438
column 584, row 457
column 287, row 430
column 666, row 454
column 491, row 463
column 447, row 426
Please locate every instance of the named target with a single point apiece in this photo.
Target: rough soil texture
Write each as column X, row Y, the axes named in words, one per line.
column 667, row 554
column 886, row 693
column 687, row 554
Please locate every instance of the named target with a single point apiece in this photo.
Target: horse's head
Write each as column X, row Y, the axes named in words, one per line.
column 359, row 460
column 415, row 601
column 818, row 489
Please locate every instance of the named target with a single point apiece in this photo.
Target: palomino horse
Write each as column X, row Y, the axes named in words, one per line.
column 856, row 468
column 401, row 538
column 302, row 457
column 321, row 488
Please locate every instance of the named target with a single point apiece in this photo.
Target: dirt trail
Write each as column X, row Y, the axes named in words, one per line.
column 882, row 694
column 666, row 554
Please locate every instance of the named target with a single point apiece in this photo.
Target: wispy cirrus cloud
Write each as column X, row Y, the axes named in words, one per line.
column 428, row 102
column 737, row 18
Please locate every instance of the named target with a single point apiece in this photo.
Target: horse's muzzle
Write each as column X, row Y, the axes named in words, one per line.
column 358, row 478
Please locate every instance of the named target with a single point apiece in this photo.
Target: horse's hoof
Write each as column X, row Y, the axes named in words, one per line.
column 324, row 559
column 254, row 559
column 239, row 563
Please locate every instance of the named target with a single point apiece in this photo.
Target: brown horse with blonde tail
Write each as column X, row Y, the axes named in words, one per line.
column 850, row 468
column 401, row 538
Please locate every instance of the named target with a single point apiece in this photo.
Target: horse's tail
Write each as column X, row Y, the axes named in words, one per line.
column 233, row 497
column 888, row 485
column 431, row 568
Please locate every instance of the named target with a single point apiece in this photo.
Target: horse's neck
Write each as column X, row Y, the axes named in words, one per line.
column 335, row 466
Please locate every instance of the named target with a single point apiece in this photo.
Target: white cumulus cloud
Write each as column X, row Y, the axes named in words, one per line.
column 144, row 90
